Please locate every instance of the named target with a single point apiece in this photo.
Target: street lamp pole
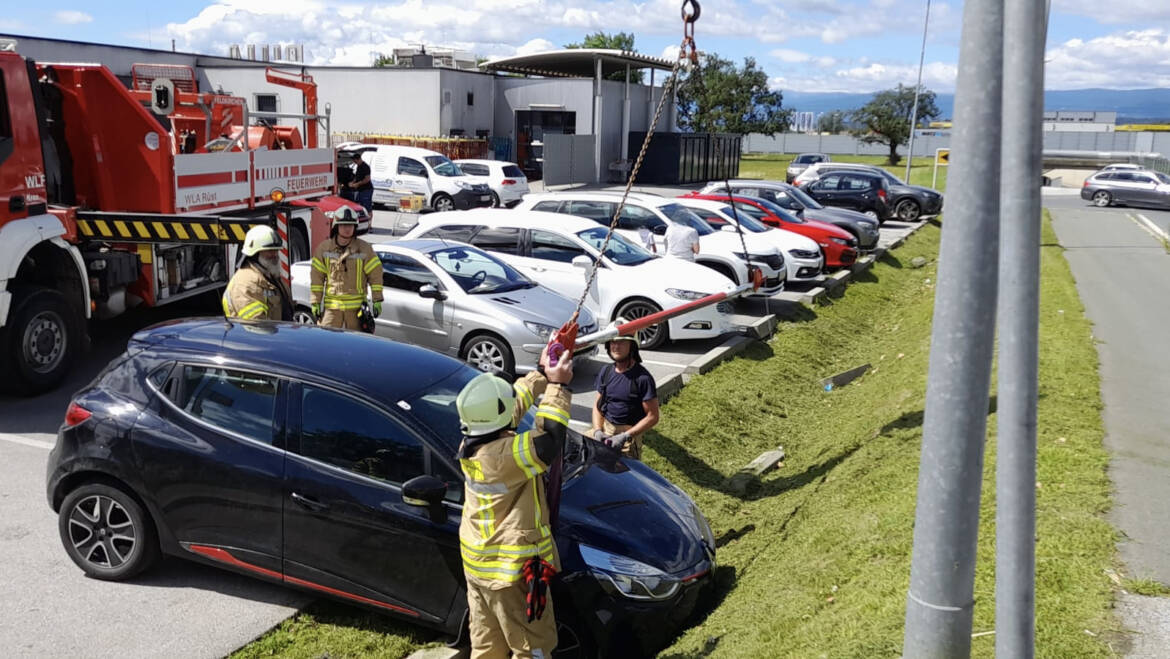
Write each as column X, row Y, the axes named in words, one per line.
column 917, row 89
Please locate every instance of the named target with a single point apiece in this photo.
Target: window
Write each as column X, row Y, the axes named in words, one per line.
column 267, row 102
column 600, row 212
column 551, row 247
column 828, row 182
column 158, row 377
column 512, row 171
column 235, row 401
column 710, row 217
column 6, row 143
column 406, row 274
column 856, row 183
column 619, row 250
column 343, row 432
column 411, row 167
column 504, row 240
column 443, row 166
column 547, row 206
column 474, row 169
column 471, row 98
column 636, row 217
column 462, row 233
column 477, row 272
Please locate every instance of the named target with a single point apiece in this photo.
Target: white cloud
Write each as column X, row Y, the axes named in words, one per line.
column 789, row 56
column 535, row 46
column 867, row 76
column 72, row 17
column 1142, row 12
column 1122, row 60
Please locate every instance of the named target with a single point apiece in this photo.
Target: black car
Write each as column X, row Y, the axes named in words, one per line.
column 861, row 191
column 906, row 202
column 324, row 460
column 791, row 198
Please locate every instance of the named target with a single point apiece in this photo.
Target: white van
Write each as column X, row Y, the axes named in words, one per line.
column 396, row 171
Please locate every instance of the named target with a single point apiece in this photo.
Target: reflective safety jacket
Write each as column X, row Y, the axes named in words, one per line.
column 505, row 510
column 341, row 274
column 250, row 294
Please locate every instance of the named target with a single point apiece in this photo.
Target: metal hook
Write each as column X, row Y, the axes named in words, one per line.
column 694, row 15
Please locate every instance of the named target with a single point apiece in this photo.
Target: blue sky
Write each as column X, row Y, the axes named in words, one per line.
column 804, row 45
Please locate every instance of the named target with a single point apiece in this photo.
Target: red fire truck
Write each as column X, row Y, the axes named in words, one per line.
column 114, row 198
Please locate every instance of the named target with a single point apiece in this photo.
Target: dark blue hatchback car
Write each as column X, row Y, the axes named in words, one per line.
column 284, row 452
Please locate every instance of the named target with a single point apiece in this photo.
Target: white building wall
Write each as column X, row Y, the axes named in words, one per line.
column 513, row 94
column 458, row 114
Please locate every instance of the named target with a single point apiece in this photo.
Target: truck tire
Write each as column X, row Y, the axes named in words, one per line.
column 41, row 341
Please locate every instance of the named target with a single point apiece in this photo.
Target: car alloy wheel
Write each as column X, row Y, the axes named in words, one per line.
column 496, row 201
column 304, row 317
column 102, row 532
column 1102, row 198
column 652, row 336
column 871, row 213
column 908, row 210
column 443, row 203
column 488, row 354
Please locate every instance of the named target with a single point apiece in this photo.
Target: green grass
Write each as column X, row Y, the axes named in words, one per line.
column 815, row 561
column 772, row 166
column 326, row 629
column 1147, row 587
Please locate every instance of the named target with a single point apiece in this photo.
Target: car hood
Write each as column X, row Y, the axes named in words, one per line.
column 832, row 215
column 677, row 273
column 537, row 304
column 624, row 507
column 726, row 240
column 912, row 189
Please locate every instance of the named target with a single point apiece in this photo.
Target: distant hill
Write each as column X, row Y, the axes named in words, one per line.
column 1131, row 105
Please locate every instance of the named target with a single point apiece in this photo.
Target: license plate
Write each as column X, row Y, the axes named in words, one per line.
column 484, row 197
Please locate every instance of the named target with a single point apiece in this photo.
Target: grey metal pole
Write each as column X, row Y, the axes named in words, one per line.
column 942, row 573
column 1025, row 27
column 917, row 89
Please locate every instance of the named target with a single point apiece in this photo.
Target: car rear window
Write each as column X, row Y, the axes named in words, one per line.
column 513, row 171
column 473, row 169
column 809, row 159
column 460, row 232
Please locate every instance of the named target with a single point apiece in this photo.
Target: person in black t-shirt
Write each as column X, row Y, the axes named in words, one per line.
column 627, row 398
column 361, row 184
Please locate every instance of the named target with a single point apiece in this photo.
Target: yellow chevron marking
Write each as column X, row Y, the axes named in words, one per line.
column 239, row 231
column 86, row 230
column 179, row 230
column 197, row 229
column 220, row 232
column 140, row 227
column 104, row 228
column 122, row 228
column 160, row 229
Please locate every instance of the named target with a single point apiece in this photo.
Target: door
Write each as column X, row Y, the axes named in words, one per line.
column 1145, row 190
column 643, row 227
column 550, row 262
column 347, row 531
column 406, row 315
column 211, row 454
column 824, row 189
column 411, row 175
column 858, row 192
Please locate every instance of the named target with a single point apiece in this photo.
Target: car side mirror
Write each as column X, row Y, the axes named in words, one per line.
column 429, row 291
column 426, row 492
column 658, row 229
column 728, row 227
column 582, row 261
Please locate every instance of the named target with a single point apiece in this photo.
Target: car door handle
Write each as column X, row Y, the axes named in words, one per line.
column 309, row 503
column 539, row 269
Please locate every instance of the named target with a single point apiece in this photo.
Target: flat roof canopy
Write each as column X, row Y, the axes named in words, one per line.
column 576, row 63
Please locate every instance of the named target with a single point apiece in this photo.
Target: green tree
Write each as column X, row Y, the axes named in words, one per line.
column 832, row 122
column 619, row 41
column 718, row 96
column 886, row 118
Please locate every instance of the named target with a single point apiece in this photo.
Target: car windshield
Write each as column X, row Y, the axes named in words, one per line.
column 443, row 166
column 681, row 215
column 773, row 209
column 809, row 158
column 619, row 250
column 801, row 196
column 1162, row 178
column 748, row 220
column 478, row 273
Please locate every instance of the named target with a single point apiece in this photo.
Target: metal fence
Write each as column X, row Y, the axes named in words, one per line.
column 925, row 143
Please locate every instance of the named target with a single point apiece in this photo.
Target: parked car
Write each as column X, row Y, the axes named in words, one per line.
column 791, row 198
column 407, row 170
column 324, row 460
column 559, row 251
column 801, row 162
column 721, row 252
column 1117, row 166
column 507, row 182
column 905, row 202
column 864, row 192
column 802, row 255
column 462, row 302
column 838, row 245
column 1141, row 187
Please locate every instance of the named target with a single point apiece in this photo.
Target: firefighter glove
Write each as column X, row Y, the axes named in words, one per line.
column 538, row 574
column 319, row 309
column 618, row 441
column 599, row 434
column 377, row 309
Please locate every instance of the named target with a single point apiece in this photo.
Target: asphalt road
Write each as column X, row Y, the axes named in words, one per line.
column 48, row 608
column 1122, row 273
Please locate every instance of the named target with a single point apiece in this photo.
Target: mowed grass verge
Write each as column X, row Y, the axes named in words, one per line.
column 771, row 166
column 815, row 560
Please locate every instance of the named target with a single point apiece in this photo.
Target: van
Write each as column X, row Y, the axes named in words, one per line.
column 398, row 171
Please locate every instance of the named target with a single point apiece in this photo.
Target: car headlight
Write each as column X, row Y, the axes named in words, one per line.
column 685, row 294
column 631, row 578
column 463, row 186
column 841, row 241
column 540, row 329
column 804, row 254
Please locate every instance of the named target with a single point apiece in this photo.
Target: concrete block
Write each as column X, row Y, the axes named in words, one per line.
column 670, row 387
column 721, row 353
column 814, row 295
column 442, row 652
column 742, row 479
column 917, row 261
column 763, row 328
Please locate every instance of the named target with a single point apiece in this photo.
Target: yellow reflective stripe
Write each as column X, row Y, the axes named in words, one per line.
column 487, row 516
column 197, row 229
column 179, row 230
column 319, row 265
column 254, row 309
column 377, row 288
column 485, row 548
column 226, row 311
column 122, row 228
column 342, row 306
column 316, row 287
column 521, row 451
column 554, row 413
column 372, row 265
column 536, row 509
column 472, row 468
column 525, row 395
column 140, row 227
column 103, row 227
column 239, row 231
column 161, row 229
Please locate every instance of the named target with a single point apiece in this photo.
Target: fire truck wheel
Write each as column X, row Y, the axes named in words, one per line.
column 42, row 339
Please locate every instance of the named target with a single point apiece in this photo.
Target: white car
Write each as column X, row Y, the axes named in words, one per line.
column 507, row 182
column 721, row 252
column 559, row 252
column 1118, row 166
column 396, row 171
column 802, row 254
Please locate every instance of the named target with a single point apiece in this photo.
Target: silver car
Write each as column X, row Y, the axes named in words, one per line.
column 458, row 300
column 801, row 163
column 1141, row 187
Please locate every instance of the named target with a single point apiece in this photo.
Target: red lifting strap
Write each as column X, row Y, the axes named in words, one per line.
column 538, row 574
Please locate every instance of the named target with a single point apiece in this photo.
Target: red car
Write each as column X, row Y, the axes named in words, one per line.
column 839, row 246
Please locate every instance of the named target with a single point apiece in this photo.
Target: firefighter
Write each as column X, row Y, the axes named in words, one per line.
column 627, row 398
column 509, row 556
column 343, row 266
column 256, row 291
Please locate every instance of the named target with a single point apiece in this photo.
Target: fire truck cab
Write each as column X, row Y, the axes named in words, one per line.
column 113, row 198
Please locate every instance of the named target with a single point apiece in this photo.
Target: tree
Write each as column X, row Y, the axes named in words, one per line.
column 719, row 97
column 832, row 122
column 619, row 41
column 886, row 118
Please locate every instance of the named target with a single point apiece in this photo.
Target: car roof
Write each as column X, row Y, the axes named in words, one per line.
column 422, row 245
column 485, row 161
column 605, row 195
column 503, row 217
column 356, row 359
column 699, row 202
column 406, row 150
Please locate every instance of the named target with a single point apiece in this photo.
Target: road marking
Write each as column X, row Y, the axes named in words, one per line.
column 1150, row 226
column 674, row 364
column 17, row 439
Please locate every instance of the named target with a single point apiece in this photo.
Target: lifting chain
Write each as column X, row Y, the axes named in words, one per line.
column 686, row 52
